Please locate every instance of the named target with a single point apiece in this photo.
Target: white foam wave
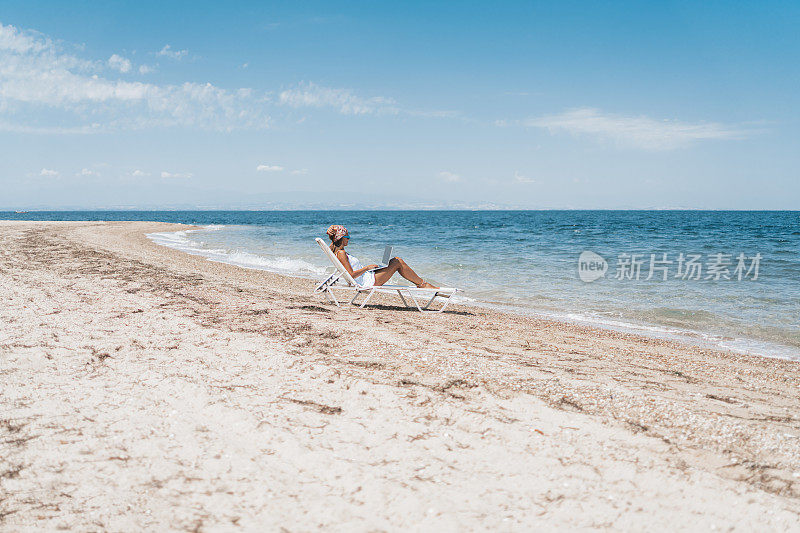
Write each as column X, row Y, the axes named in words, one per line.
column 281, row 264
column 735, row 344
column 179, row 240
column 173, row 239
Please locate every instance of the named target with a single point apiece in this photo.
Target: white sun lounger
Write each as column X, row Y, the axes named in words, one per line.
column 341, row 279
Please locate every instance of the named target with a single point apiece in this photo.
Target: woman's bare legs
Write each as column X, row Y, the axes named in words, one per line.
column 398, row 265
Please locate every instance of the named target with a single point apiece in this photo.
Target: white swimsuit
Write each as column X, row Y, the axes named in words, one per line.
column 367, row 279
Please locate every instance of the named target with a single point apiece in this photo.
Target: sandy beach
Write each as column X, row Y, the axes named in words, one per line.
column 143, row 388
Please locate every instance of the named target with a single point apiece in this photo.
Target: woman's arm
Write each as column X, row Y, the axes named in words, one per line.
column 341, row 255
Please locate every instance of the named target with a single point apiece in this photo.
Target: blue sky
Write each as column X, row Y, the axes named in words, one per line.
column 469, row 104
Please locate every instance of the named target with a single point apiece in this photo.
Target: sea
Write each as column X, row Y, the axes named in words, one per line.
column 722, row 279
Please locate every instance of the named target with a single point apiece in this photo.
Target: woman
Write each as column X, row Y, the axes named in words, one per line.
column 366, row 276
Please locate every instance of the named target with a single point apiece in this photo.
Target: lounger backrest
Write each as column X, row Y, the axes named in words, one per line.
column 335, row 260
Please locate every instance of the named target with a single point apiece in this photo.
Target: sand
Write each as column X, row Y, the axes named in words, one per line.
column 143, row 388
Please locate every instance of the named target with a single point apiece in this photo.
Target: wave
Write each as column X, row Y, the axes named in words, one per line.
column 180, row 240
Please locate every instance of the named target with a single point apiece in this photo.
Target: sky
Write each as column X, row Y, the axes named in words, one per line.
column 534, row 105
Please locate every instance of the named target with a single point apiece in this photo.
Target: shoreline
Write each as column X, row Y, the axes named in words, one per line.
column 150, row 388
column 740, row 345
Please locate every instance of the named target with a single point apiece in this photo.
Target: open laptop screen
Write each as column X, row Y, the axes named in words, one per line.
column 387, row 255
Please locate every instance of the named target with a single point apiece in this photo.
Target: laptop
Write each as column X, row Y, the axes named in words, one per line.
column 387, row 256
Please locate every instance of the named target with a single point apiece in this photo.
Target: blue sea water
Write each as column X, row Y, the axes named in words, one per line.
column 527, row 261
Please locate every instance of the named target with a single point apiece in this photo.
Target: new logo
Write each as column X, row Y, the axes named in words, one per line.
column 591, row 266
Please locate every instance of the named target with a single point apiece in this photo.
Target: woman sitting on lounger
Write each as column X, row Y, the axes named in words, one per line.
column 370, row 275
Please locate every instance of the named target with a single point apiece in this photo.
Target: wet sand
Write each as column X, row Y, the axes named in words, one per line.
column 143, row 388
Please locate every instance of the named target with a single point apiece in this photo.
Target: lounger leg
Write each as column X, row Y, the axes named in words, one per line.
column 402, row 298
column 411, row 294
column 444, row 305
column 353, row 299
column 366, row 299
column 329, row 294
column 426, row 308
column 427, row 305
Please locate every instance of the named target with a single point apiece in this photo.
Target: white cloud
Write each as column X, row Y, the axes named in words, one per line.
column 449, row 177
column 13, row 40
column 437, row 114
column 308, row 94
column 167, row 51
column 47, row 86
column 87, row 172
column 345, row 101
column 269, row 168
column 519, row 178
column 170, row 175
column 48, row 130
column 300, row 172
column 46, row 89
column 48, row 173
column 634, row 131
column 139, row 173
column 119, row 63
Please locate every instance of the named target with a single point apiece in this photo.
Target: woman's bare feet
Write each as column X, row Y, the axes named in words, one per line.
column 426, row 285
